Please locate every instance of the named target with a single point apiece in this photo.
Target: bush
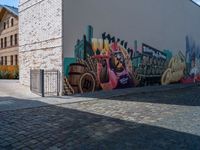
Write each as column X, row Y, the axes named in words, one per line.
column 9, row 72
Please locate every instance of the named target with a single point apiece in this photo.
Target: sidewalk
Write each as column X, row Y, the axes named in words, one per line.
column 109, row 94
column 15, row 89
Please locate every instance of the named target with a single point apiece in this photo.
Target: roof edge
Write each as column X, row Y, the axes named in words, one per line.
column 10, row 9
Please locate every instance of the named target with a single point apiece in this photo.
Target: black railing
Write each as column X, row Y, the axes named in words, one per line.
column 45, row 82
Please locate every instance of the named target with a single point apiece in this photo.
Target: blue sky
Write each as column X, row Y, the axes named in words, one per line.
column 9, row 2
column 15, row 2
column 197, row 1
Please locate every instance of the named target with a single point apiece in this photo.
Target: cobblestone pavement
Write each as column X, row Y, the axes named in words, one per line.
column 159, row 120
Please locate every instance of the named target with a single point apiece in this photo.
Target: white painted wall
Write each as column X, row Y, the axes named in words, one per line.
column 40, row 36
column 162, row 24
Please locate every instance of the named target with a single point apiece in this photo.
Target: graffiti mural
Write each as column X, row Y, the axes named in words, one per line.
column 103, row 63
column 149, row 64
column 108, row 63
column 192, row 50
column 114, row 67
column 175, row 70
column 192, row 61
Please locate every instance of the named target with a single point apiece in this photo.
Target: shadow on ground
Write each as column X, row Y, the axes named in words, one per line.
column 189, row 96
column 12, row 103
column 64, row 128
column 184, row 97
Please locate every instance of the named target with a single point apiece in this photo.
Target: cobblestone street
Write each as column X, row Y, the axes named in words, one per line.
column 159, row 120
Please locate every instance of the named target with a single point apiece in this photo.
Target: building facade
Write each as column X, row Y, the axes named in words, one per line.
column 40, row 32
column 8, row 35
column 51, row 31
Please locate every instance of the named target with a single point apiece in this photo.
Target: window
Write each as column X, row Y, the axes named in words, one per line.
column 5, row 60
column 2, row 60
column 4, row 25
column 1, row 42
column 16, row 60
column 7, row 23
column 12, row 22
column 11, row 40
column 5, row 42
column 16, row 39
column 11, row 60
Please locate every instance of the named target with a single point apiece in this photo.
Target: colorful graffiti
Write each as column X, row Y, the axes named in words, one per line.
column 175, row 70
column 192, row 61
column 149, row 64
column 184, row 69
column 108, row 63
column 114, row 66
column 192, row 51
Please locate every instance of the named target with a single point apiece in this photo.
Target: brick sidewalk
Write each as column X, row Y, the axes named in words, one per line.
column 12, row 100
column 154, row 120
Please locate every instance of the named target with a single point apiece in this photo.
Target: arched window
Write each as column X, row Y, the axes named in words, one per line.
column 12, row 22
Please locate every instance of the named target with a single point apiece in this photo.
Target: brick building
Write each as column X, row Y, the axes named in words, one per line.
column 40, row 36
column 8, row 35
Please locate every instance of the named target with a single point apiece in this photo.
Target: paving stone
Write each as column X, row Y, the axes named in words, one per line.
column 154, row 120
